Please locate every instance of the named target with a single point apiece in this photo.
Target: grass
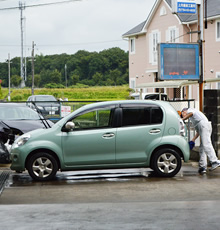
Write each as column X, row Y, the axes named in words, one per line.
column 73, row 94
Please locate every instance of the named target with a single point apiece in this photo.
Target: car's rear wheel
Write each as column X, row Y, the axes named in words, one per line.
column 166, row 162
column 42, row 166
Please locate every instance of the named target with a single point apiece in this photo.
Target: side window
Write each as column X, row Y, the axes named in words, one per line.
column 136, row 116
column 142, row 116
column 101, row 118
column 156, row 115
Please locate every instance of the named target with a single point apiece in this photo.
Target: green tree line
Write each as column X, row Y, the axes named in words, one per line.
column 105, row 68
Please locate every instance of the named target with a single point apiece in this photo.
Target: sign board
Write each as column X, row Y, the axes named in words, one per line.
column 184, row 6
column 178, row 61
column 65, row 110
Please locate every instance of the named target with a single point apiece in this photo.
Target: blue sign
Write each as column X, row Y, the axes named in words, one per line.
column 186, row 8
column 179, row 61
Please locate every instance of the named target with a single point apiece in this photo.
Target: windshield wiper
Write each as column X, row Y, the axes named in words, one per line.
column 44, row 120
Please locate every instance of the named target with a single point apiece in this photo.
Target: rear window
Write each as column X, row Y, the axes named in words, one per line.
column 142, row 116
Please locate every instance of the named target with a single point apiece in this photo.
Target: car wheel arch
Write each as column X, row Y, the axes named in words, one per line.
column 175, row 148
column 43, row 150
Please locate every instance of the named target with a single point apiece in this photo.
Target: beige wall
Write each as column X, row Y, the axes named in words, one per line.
column 143, row 71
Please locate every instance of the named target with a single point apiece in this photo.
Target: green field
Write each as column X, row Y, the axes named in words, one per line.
column 72, row 94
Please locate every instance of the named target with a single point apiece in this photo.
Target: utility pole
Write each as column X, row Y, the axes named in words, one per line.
column 21, row 8
column 9, row 78
column 200, row 9
column 32, row 88
column 65, row 74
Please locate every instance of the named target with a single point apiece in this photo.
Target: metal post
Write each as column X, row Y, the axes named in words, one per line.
column 9, row 78
column 200, row 41
column 65, row 74
column 21, row 8
column 32, row 88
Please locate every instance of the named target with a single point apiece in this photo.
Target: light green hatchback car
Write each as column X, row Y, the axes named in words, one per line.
column 106, row 135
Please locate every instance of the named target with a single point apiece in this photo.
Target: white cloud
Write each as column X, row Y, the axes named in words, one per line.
column 66, row 28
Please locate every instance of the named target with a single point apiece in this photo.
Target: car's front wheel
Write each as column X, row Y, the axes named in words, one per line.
column 166, row 162
column 42, row 166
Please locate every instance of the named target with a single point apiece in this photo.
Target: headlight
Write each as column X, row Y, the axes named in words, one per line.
column 21, row 140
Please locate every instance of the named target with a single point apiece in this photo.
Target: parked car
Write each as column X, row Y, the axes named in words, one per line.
column 46, row 104
column 150, row 96
column 156, row 96
column 105, row 135
column 15, row 120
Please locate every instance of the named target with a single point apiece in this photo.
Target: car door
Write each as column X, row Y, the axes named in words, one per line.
column 92, row 141
column 140, row 131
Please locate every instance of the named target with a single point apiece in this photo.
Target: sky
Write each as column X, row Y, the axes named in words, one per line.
column 92, row 25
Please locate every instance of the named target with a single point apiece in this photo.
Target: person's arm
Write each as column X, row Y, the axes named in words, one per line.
column 188, row 115
column 195, row 137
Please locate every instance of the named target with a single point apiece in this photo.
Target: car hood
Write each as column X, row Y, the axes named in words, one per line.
column 25, row 125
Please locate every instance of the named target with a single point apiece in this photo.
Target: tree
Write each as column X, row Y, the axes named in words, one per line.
column 97, row 78
column 55, row 77
column 15, row 80
column 108, row 67
column 115, row 75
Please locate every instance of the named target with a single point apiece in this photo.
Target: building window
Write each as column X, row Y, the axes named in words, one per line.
column 163, row 11
column 218, row 83
column 155, row 42
column 132, row 83
column 172, row 34
column 132, row 45
column 218, row 31
column 154, row 39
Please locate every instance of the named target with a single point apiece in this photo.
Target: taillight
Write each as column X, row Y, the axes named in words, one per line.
column 182, row 128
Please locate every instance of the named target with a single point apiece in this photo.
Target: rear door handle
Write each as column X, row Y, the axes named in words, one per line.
column 154, row 131
column 108, row 135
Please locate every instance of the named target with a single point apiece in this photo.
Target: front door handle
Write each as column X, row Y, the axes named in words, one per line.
column 154, row 131
column 108, row 135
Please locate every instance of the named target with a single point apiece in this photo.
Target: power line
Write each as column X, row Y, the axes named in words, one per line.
column 37, row 5
column 69, row 44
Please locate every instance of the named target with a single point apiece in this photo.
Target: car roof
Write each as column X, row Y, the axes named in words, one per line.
column 12, row 104
column 43, row 95
column 124, row 102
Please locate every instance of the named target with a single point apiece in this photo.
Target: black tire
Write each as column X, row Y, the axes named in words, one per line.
column 166, row 162
column 42, row 166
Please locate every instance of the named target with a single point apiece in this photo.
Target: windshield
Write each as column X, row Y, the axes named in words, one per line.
column 45, row 98
column 18, row 113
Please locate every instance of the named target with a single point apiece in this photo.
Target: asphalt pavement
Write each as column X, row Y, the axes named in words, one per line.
column 112, row 199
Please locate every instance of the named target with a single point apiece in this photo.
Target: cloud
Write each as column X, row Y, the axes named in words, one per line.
column 92, row 25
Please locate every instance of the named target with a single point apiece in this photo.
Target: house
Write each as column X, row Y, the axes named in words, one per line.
column 162, row 26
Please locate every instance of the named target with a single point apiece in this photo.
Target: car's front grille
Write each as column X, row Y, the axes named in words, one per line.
column 51, row 108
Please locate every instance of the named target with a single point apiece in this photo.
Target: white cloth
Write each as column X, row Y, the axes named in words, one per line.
column 204, row 128
column 197, row 116
column 206, row 149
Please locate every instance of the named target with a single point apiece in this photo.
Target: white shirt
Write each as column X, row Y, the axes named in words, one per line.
column 197, row 116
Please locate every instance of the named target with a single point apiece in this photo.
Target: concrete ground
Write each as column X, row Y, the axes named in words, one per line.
column 112, row 199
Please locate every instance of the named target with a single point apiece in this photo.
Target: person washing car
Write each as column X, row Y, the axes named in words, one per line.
column 203, row 129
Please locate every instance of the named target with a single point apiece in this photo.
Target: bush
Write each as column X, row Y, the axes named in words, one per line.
column 17, row 98
column 54, row 86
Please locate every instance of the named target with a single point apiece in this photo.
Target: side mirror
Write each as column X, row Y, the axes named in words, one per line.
column 69, row 125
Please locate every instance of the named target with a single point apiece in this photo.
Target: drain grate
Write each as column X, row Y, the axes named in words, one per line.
column 3, row 178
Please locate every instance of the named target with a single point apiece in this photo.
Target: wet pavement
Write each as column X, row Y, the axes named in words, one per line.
column 112, row 199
